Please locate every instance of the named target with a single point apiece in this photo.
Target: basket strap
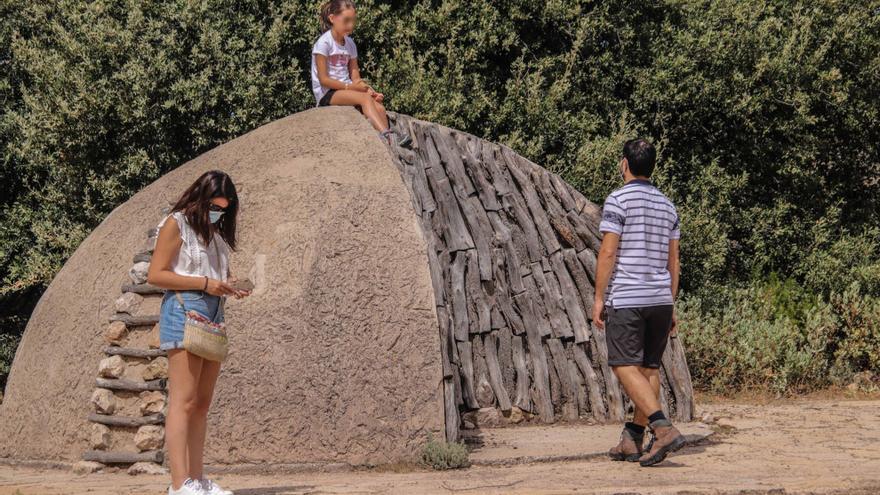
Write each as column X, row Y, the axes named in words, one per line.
column 177, row 293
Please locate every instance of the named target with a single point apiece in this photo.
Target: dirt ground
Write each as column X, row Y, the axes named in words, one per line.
column 775, row 447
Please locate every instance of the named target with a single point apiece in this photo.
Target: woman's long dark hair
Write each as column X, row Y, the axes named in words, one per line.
column 195, row 201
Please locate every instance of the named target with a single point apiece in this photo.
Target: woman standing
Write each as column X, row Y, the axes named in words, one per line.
column 191, row 259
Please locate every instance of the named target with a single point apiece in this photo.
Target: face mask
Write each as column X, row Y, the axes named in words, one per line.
column 215, row 215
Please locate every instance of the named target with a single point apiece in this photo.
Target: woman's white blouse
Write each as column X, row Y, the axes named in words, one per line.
column 196, row 259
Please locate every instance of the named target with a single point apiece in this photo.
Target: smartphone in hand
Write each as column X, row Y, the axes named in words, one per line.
column 243, row 285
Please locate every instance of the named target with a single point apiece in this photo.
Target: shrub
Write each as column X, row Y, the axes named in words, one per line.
column 442, row 455
column 778, row 336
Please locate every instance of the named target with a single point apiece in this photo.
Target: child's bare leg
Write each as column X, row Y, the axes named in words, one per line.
column 381, row 109
column 367, row 104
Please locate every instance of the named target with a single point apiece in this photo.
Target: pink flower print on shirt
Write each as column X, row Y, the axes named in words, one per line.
column 338, row 60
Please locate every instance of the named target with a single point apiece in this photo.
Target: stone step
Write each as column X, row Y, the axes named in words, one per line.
column 135, row 321
column 113, row 420
column 131, row 385
column 132, row 352
column 120, row 457
column 143, row 289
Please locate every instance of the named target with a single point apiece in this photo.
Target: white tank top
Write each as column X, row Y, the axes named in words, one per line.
column 196, row 259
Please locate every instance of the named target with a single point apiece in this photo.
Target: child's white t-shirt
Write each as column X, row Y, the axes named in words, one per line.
column 337, row 61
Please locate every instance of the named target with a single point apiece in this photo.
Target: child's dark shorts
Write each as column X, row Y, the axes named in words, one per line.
column 637, row 336
column 325, row 100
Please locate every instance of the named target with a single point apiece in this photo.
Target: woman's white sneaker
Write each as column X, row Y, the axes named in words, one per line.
column 189, row 487
column 211, row 488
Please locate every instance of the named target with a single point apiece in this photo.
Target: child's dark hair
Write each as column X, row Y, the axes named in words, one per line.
column 332, row 7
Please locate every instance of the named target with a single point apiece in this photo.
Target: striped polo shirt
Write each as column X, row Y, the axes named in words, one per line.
column 646, row 220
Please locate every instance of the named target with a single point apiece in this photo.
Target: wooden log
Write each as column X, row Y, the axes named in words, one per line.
column 505, row 360
column 483, row 318
column 612, row 385
column 588, row 260
column 518, row 357
column 590, row 235
column 665, row 403
column 581, row 280
column 563, row 192
column 481, row 232
column 567, row 387
column 515, row 207
column 497, row 319
column 540, row 372
column 459, row 308
column 142, row 289
column 490, row 161
column 436, row 269
column 452, row 416
column 679, row 377
column 503, row 301
column 544, row 326
column 450, row 157
column 132, row 421
column 135, row 321
column 542, row 223
column 411, row 163
column 478, row 174
column 485, row 398
column 510, row 259
column 454, row 231
column 555, row 387
column 490, row 347
column 445, row 341
column 555, row 212
column 473, row 212
column 132, row 385
column 406, row 173
column 109, row 457
column 570, row 299
column 683, row 374
column 467, row 375
column 421, row 188
column 594, row 391
column 136, row 353
column 559, row 323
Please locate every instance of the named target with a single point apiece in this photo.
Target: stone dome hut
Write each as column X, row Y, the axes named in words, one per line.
column 396, row 291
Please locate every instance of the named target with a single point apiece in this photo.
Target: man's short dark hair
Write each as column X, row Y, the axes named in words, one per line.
column 641, row 156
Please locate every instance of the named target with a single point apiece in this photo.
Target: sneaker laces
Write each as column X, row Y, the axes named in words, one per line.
column 651, row 442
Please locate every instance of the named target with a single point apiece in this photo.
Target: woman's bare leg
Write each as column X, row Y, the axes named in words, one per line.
column 367, row 104
column 198, row 425
column 184, row 369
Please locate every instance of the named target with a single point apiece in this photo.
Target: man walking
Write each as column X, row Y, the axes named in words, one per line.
column 639, row 256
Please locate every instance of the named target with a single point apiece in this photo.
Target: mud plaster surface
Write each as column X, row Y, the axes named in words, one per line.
column 335, row 356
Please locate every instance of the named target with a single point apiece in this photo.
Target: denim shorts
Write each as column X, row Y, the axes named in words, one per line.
column 172, row 316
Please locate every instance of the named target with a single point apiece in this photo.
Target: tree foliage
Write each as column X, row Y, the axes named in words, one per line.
column 765, row 113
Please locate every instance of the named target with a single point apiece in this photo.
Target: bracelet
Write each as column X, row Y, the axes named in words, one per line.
column 206, row 283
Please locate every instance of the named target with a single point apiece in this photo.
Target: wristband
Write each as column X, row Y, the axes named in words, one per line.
column 206, row 284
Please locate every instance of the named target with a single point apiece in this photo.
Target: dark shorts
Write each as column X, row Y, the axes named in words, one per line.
column 637, row 336
column 325, row 100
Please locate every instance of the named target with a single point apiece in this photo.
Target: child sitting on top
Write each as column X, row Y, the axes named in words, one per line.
column 336, row 78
